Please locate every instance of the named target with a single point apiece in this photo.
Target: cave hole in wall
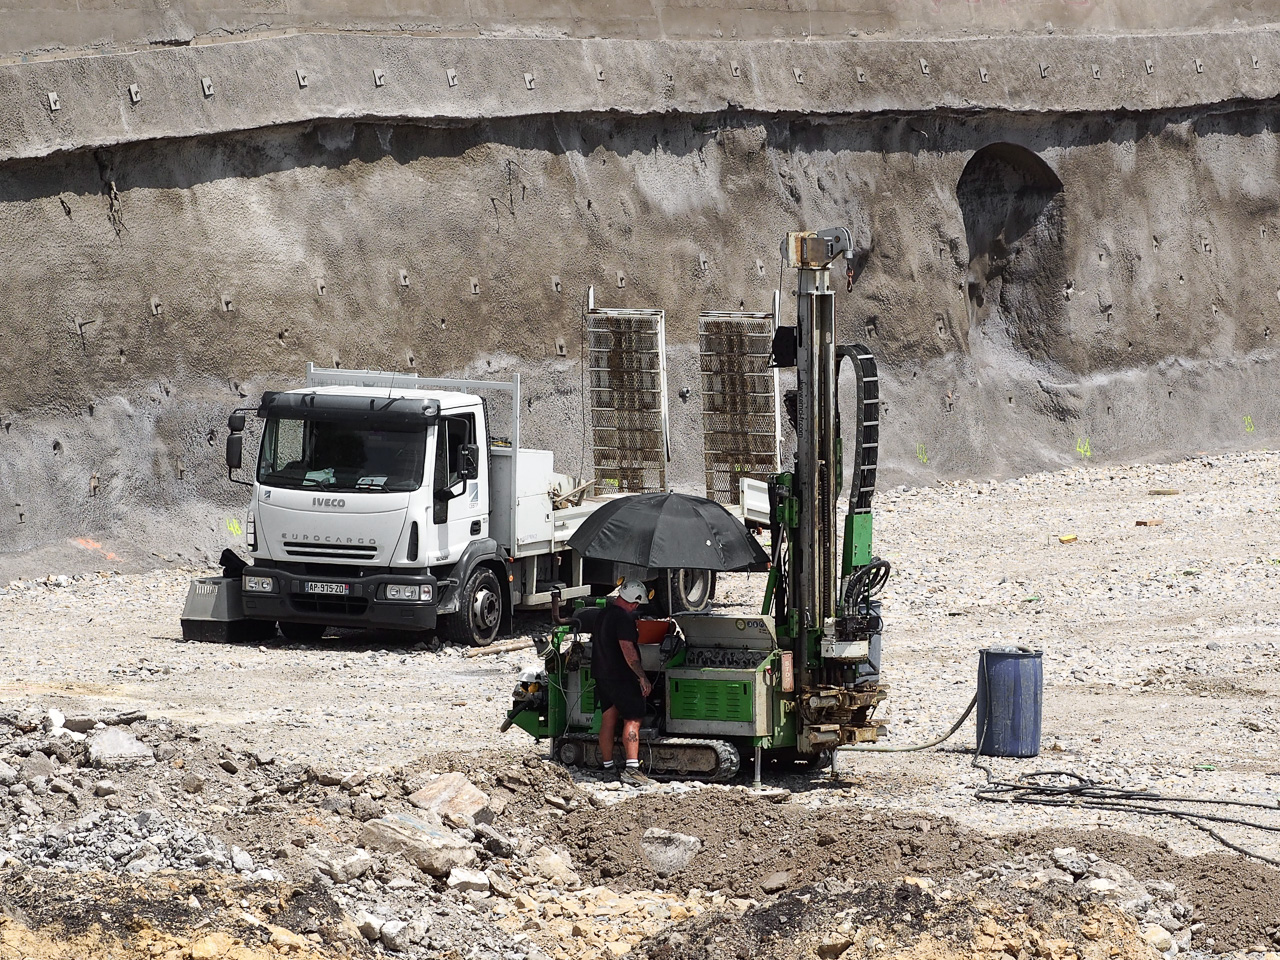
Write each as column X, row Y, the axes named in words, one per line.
column 1017, row 283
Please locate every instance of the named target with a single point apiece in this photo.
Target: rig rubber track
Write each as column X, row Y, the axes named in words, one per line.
column 668, row 758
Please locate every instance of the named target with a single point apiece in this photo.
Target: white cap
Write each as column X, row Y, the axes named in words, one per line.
column 633, row 591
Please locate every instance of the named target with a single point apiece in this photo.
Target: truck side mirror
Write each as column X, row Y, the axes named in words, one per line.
column 235, row 451
column 468, row 461
column 235, row 423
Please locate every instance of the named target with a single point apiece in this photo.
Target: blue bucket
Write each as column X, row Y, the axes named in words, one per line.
column 1010, row 696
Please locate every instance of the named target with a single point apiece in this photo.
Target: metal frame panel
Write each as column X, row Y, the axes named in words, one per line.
column 732, row 631
column 627, row 374
column 741, row 409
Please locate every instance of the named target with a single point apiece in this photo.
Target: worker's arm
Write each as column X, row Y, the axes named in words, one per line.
column 631, row 653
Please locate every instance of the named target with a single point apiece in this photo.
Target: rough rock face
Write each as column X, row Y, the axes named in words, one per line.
column 1043, row 284
column 1089, row 312
column 34, row 26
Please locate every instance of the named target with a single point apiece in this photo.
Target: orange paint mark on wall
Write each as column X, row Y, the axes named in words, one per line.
column 94, row 546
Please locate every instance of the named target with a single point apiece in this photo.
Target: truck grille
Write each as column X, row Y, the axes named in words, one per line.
column 347, row 607
column 350, row 551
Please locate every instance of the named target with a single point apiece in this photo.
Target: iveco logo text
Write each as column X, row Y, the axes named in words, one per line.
column 328, row 502
column 316, row 538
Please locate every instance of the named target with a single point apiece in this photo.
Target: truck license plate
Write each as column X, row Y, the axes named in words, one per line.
column 342, row 589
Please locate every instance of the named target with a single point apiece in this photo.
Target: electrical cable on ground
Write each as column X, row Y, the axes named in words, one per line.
column 1077, row 792
column 1081, row 793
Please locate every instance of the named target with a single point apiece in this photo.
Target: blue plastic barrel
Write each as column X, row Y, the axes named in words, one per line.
column 1010, row 696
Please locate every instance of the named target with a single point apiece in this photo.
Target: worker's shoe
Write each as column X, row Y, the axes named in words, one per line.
column 632, row 777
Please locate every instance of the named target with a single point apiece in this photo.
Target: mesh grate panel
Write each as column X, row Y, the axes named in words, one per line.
column 739, row 401
column 628, row 389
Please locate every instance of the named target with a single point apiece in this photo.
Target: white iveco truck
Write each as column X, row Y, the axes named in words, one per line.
column 384, row 500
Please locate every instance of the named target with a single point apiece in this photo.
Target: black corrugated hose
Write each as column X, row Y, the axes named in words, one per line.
column 876, row 748
column 1078, row 792
column 1075, row 791
column 865, row 583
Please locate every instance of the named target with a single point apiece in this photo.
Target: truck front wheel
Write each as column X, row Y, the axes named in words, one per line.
column 479, row 613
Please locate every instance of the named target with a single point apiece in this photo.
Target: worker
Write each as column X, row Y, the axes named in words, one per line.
column 621, row 684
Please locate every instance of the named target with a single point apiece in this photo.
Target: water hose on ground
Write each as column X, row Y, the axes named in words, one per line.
column 876, row 748
column 1077, row 792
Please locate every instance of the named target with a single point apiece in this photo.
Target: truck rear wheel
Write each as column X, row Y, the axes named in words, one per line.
column 690, row 591
column 479, row 615
column 302, row 632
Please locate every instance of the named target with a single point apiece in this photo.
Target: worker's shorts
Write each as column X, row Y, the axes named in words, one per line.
column 623, row 693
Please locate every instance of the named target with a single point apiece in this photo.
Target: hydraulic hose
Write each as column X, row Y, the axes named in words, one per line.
column 876, row 748
column 865, row 583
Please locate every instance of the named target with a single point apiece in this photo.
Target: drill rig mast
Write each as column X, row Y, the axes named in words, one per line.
column 821, row 595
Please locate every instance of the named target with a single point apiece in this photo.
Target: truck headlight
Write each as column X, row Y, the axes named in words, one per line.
column 259, row 584
column 404, row 591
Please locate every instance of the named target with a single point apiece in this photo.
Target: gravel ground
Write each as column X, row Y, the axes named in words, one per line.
column 1159, row 643
column 1159, row 664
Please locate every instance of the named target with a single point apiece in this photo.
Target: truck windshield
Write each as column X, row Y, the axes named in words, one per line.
column 341, row 456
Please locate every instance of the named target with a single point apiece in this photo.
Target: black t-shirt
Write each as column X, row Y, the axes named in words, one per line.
column 615, row 624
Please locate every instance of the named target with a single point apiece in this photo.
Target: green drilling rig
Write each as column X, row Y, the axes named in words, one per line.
column 802, row 678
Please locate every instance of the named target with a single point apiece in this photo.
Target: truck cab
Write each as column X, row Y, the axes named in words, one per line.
column 387, row 500
column 371, row 508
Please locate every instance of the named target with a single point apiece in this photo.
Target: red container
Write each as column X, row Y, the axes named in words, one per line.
column 652, row 631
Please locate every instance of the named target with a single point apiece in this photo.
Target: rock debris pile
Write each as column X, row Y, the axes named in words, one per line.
column 505, row 858
column 138, row 843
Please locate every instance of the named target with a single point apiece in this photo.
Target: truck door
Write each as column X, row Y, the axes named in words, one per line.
column 460, row 508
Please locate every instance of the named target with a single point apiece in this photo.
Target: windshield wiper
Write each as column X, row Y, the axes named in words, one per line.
column 277, row 479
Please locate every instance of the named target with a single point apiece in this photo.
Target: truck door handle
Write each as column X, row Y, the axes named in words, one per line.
column 475, row 527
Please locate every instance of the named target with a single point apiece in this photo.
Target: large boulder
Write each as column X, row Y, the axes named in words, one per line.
column 117, row 747
column 344, row 869
column 369, row 925
column 396, row 935
column 1158, row 937
column 550, row 865
column 212, row 947
column 37, row 764
column 427, row 844
column 667, row 851
column 80, row 724
column 466, row 880
column 453, row 794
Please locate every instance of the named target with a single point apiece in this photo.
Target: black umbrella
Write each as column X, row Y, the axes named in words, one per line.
column 670, row 530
